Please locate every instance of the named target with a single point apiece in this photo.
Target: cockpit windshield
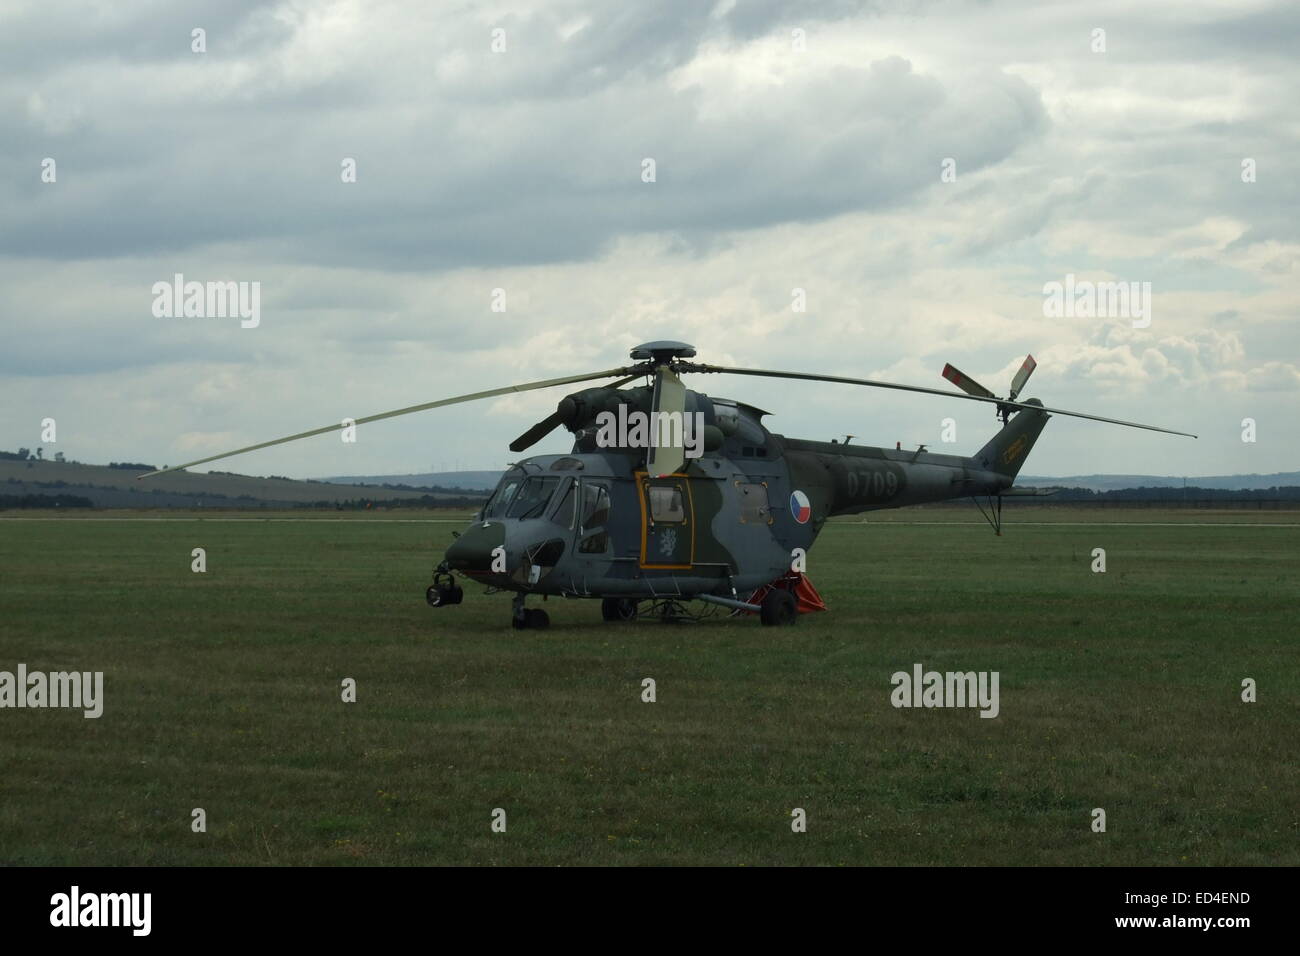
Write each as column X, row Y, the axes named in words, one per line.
column 505, row 493
column 530, row 501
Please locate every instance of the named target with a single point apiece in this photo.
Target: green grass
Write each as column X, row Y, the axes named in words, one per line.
column 1118, row 690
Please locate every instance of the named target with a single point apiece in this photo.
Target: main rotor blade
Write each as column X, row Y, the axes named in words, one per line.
column 1022, row 375
column 559, row 417
column 539, row 431
column 473, row 396
column 965, row 382
column 807, row 377
column 669, row 400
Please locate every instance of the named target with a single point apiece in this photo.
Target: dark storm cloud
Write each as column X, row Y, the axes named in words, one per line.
column 46, row 35
column 548, row 170
column 1245, row 38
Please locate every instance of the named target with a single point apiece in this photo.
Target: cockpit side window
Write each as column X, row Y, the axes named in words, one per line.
column 592, row 518
column 564, row 513
column 531, row 499
column 595, row 505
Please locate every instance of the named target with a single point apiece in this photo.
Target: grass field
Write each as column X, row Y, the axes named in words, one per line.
column 222, row 691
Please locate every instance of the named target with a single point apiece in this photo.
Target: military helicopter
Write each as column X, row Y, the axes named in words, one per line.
column 670, row 495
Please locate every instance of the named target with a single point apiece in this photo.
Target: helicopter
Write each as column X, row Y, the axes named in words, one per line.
column 670, row 495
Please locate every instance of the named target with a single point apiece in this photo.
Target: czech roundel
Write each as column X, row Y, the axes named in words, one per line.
column 799, row 507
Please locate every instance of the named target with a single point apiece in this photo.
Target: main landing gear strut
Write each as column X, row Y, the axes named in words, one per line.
column 525, row 618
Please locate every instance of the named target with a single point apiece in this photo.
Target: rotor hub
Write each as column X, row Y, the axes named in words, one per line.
column 661, row 353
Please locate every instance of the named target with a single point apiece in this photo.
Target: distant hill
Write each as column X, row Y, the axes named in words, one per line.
column 116, row 487
column 487, row 480
column 1279, row 479
column 474, row 480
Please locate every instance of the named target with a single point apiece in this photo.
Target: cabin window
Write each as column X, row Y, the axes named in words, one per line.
column 530, row 501
column 666, row 503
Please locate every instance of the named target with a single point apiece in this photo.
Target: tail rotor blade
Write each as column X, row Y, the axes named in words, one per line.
column 670, row 406
column 1026, row 369
column 965, row 382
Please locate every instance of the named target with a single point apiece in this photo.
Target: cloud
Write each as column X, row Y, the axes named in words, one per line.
column 777, row 169
column 172, row 156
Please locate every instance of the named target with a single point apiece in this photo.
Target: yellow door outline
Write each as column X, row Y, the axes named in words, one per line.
column 642, row 487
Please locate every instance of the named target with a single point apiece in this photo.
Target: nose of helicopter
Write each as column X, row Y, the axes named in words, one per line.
column 471, row 553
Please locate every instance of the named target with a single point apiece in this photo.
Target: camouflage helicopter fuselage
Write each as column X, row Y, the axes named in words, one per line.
column 594, row 523
column 722, row 511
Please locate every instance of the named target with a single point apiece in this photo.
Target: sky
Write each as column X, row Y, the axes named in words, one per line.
column 920, row 170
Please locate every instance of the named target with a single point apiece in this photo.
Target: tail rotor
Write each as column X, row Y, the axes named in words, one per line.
column 972, row 387
column 1026, row 369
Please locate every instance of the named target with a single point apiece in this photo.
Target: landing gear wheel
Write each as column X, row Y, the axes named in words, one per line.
column 778, row 609
column 530, row 618
column 618, row 609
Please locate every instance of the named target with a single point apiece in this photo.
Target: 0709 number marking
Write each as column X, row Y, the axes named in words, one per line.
column 872, row 484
